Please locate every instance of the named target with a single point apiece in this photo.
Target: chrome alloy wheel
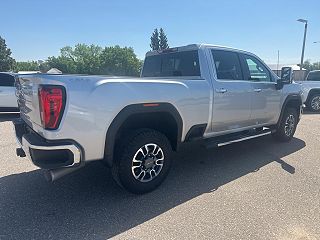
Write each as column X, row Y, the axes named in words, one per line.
column 315, row 103
column 289, row 125
column 147, row 162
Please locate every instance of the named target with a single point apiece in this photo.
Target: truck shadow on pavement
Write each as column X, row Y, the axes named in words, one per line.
column 89, row 205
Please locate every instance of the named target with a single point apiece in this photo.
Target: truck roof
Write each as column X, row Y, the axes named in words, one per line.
column 9, row 73
column 193, row 47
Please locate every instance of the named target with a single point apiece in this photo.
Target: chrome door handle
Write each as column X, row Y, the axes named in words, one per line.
column 221, row 90
column 257, row 90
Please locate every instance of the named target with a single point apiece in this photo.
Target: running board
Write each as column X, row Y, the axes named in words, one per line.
column 226, row 140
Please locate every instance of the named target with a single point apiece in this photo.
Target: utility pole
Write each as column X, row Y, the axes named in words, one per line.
column 319, row 61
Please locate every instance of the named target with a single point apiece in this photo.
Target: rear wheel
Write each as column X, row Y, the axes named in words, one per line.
column 314, row 103
column 287, row 126
column 143, row 160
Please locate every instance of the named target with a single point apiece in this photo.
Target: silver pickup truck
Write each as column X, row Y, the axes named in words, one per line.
column 311, row 91
column 204, row 93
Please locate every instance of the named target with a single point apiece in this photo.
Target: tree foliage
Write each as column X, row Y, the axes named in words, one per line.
column 159, row 40
column 82, row 59
column 6, row 61
column 311, row 66
column 93, row 59
column 26, row 66
column 119, row 61
column 155, row 43
column 163, row 41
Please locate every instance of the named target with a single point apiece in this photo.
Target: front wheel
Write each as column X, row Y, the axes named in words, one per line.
column 287, row 126
column 143, row 160
column 314, row 103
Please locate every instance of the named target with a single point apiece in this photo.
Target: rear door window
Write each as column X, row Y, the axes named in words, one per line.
column 6, row 80
column 185, row 63
column 227, row 65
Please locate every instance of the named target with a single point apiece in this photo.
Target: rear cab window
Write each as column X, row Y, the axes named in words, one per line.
column 313, row 76
column 6, row 80
column 183, row 63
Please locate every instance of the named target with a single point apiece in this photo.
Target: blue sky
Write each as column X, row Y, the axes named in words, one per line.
column 36, row 29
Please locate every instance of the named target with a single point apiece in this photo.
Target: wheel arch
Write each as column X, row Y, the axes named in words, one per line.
column 312, row 92
column 294, row 101
column 163, row 117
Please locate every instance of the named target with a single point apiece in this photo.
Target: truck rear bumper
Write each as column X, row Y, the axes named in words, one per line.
column 44, row 153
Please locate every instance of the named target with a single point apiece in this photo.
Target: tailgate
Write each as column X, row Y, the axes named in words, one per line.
column 27, row 95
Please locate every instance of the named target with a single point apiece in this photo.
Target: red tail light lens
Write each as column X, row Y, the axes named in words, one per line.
column 52, row 100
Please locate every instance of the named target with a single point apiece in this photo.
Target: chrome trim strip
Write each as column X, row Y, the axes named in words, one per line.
column 243, row 139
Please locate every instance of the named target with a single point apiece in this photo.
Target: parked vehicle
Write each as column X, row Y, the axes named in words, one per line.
column 313, row 76
column 311, row 91
column 8, row 100
column 215, row 95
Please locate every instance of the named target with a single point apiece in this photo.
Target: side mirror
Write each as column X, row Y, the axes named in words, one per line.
column 286, row 77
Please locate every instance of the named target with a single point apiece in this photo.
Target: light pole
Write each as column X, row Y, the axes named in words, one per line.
column 318, row 62
column 304, row 40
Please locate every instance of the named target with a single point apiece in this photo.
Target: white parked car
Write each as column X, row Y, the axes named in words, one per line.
column 311, row 91
column 8, row 100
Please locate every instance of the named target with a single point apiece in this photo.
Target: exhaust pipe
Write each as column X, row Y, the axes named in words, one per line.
column 54, row 174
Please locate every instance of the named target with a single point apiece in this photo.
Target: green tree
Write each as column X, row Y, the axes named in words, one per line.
column 92, row 59
column 311, row 66
column 307, row 65
column 119, row 61
column 163, row 40
column 82, row 59
column 26, row 66
column 155, row 42
column 65, row 65
column 6, row 61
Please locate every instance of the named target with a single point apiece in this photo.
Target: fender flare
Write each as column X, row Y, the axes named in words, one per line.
column 122, row 116
column 311, row 92
column 291, row 97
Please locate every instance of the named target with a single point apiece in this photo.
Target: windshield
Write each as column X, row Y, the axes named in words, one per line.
column 314, row 76
column 184, row 63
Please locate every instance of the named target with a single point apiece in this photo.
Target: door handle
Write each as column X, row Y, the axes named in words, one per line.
column 221, row 90
column 257, row 90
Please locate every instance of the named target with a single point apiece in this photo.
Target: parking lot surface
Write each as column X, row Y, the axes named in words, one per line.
column 259, row 189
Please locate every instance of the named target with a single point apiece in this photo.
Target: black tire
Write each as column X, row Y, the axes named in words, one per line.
column 286, row 128
column 129, row 147
column 313, row 102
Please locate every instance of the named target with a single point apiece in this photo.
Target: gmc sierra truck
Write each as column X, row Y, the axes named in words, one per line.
column 210, row 94
column 311, row 91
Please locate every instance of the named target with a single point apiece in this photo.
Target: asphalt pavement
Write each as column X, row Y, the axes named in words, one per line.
column 259, row 189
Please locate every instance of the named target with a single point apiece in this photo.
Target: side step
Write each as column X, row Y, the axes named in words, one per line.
column 234, row 138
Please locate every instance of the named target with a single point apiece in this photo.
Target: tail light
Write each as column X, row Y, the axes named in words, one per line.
column 52, row 101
